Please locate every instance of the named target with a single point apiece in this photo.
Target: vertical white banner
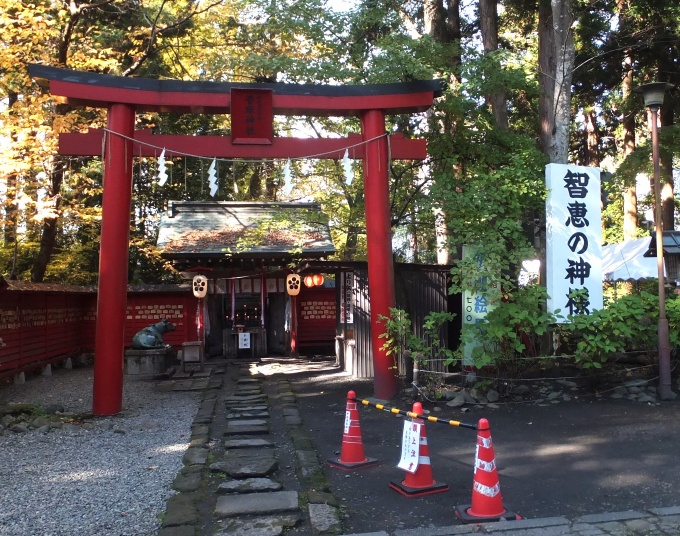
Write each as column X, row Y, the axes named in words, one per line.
column 573, row 239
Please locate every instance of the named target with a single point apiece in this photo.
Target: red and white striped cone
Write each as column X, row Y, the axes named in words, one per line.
column 421, row 482
column 352, row 450
column 487, row 502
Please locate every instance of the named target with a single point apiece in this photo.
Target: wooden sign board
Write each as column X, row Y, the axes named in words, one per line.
column 252, row 118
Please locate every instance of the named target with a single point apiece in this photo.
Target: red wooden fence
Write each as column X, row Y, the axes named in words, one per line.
column 42, row 324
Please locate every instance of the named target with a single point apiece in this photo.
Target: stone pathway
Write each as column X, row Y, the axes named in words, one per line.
column 250, row 469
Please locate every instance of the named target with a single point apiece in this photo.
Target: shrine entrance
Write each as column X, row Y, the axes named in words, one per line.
column 252, row 107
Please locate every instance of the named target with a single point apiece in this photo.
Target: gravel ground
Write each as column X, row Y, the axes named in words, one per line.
column 96, row 476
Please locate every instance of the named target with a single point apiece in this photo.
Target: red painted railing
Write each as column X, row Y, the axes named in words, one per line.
column 46, row 324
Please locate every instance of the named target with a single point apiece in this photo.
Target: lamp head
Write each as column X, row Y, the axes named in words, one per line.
column 653, row 93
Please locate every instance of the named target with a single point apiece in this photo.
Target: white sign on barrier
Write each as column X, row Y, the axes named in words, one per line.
column 410, row 447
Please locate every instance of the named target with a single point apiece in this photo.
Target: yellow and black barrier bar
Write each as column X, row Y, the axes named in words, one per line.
column 413, row 415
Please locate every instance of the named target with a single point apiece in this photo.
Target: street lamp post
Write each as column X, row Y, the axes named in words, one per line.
column 653, row 95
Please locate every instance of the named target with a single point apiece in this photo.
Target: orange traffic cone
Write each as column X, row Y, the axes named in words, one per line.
column 487, row 503
column 352, row 450
column 421, row 482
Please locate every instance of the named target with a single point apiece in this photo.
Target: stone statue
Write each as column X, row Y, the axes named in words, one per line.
column 152, row 336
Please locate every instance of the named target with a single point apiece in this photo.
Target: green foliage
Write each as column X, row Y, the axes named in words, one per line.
column 398, row 337
column 147, row 266
column 402, row 344
column 512, row 333
column 628, row 324
column 486, row 181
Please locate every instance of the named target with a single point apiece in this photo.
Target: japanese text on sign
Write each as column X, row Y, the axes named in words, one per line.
column 410, row 446
column 251, row 116
column 574, row 238
column 347, row 291
column 476, row 304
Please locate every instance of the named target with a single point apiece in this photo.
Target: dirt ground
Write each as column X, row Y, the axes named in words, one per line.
column 591, row 454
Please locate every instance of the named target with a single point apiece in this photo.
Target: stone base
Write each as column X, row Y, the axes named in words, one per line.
column 192, row 356
column 147, row 363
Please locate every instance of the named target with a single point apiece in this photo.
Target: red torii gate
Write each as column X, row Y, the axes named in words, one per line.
column 123, row 97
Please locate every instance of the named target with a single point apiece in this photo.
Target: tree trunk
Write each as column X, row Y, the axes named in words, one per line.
column 565, row 54
column 353, row 229
column 488, row 23
column 556, row 55
column 592, row 140
column 50, row 224
column 11, row 212
column 444, row 25
column 546, row 79
column 630, row 211
column 351, row 243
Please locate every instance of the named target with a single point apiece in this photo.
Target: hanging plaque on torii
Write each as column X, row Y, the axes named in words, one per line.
column 252, row 120
column 124, row 97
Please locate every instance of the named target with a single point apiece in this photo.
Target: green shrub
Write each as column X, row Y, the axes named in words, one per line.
column 514, row 329
column 628, row 324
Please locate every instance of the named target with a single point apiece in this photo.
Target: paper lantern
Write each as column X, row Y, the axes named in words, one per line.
column 200, row 286
column 293, row 284
column 318, row 280
column 309, row 280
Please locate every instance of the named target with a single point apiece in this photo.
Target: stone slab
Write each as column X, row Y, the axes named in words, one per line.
column 259, row 526
column 291, row 420
column 259, row 503
column 381, row 533
column 182, row 530
column 181, row 510
column 188, row 479
column 246, row 426
column 247, row 391
column 249, row 485
column 248, row 415
column 200, row 430
column 247, row 443
column 325, row 519
column 236, row 423
column 666, row 511
column 247, row 381
column 255, row 453
column 246, row 467
column 610, row 516
column 526, row 524
column 196, row 456
column 258, row 407
column 146, row 362
column 191, row 385
column 243, row 399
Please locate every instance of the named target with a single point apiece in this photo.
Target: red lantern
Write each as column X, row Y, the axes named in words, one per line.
column 318, row 280
column 308, row 281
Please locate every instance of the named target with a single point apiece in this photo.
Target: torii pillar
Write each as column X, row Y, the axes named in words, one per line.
column 123, row 96
column 113, row 262
column 379, row 243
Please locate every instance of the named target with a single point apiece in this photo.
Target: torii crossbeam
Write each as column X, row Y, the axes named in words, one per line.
column 124, row 97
